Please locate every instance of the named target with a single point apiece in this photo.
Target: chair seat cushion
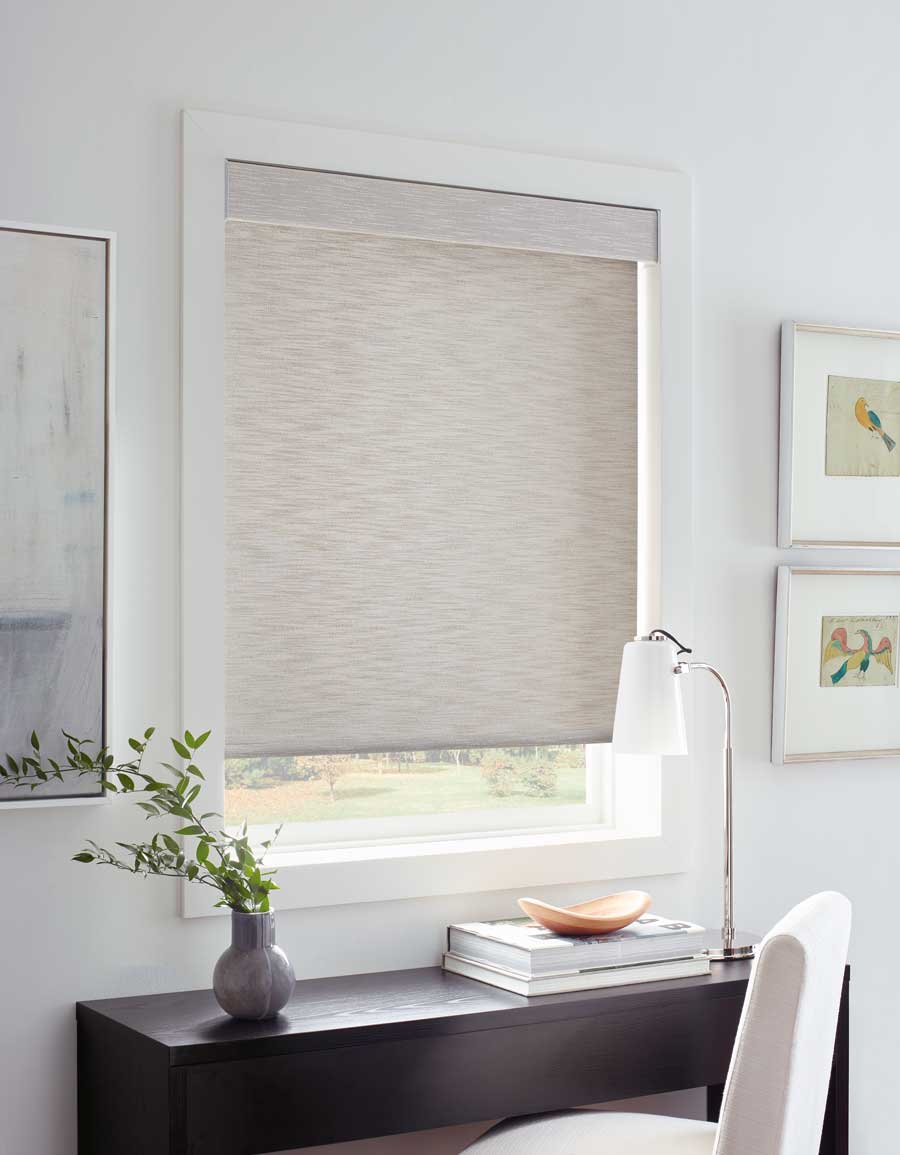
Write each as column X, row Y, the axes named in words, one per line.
column 596, row 1133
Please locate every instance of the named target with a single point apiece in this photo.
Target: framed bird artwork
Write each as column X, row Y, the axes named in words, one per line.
column 836, row 691
column 839, row 482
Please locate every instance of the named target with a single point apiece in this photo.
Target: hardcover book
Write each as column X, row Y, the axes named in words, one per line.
column 598, row 979
column 527, row 949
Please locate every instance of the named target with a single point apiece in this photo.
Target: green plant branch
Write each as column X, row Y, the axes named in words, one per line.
column 238, row 873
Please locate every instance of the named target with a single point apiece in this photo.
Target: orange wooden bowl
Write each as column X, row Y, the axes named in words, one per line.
column 599, row 916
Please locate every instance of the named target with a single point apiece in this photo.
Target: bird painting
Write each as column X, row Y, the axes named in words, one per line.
column 856, row 660
column 869, row 419
column 862, row 427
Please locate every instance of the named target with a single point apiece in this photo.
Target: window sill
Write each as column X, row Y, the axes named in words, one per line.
column 45, row 801
column 332, row 876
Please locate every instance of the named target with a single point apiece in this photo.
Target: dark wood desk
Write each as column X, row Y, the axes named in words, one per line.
column 381, row 1054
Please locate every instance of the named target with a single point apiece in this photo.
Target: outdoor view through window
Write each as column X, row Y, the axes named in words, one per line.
column 333, row 787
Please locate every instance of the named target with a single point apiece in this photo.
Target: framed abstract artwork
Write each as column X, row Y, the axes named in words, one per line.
column 839, row 482
column 836, row 692
column 56, row 297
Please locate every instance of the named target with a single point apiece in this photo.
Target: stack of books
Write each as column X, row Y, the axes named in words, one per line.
column 520, row 956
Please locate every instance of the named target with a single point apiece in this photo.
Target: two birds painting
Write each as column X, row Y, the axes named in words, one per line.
column 856, row 660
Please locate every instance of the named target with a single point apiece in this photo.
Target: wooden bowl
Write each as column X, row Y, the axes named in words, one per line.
column 599, row 916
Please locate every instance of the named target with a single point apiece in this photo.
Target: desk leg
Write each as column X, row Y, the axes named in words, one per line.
column 836, row 1125
column 714, row 1102
column 836, row 1128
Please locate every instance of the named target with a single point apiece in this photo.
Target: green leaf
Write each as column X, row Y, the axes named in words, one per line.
column 126, row 781
column 83, row 856
column 189, row 739
column 35, row 744
column 135, row 745
column 195, row 770
column 198, row 742
column 203, row 852
column 181, row 750
column 190, row 830
column 149, row 732
column 150, row 808
column 171, row 843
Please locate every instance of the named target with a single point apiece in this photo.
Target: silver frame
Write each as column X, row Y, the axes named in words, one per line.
column 25, row 798
column 786, row 539
column 779, row 683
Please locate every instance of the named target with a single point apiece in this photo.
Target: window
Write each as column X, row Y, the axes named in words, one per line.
column 431, row 431
column 412, row 449
column 323, row 797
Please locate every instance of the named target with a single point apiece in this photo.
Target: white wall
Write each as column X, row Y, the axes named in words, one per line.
column 784, row 112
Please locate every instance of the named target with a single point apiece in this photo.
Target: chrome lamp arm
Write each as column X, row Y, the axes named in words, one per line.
column 730, row 948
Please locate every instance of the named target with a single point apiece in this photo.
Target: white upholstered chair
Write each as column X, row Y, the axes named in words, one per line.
column 774, row 1100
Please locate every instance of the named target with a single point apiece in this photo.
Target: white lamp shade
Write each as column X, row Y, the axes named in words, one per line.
column 649, row 708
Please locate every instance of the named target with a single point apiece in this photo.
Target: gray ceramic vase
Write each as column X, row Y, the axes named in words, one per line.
column 254, row 978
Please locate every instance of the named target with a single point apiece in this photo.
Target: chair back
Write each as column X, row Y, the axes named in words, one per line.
column 774, row 1100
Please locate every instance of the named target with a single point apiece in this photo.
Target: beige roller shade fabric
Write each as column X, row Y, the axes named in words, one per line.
column 431, row 491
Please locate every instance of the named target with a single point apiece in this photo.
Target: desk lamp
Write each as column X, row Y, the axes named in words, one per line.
column 650, row 720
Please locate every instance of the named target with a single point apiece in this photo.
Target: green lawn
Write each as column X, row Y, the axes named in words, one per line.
column 424, row 788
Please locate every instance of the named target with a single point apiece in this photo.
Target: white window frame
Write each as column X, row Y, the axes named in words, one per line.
column 650, row 805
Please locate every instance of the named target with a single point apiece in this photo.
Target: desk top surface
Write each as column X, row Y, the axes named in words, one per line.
column 366, row 1008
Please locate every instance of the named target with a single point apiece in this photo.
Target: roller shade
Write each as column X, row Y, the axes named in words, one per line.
column 431, row 464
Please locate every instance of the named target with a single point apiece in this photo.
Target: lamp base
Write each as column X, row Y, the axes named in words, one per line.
column 741, row 946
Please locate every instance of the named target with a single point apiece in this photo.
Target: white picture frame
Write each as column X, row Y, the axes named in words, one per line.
column 825, row 708
column 818, row 508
